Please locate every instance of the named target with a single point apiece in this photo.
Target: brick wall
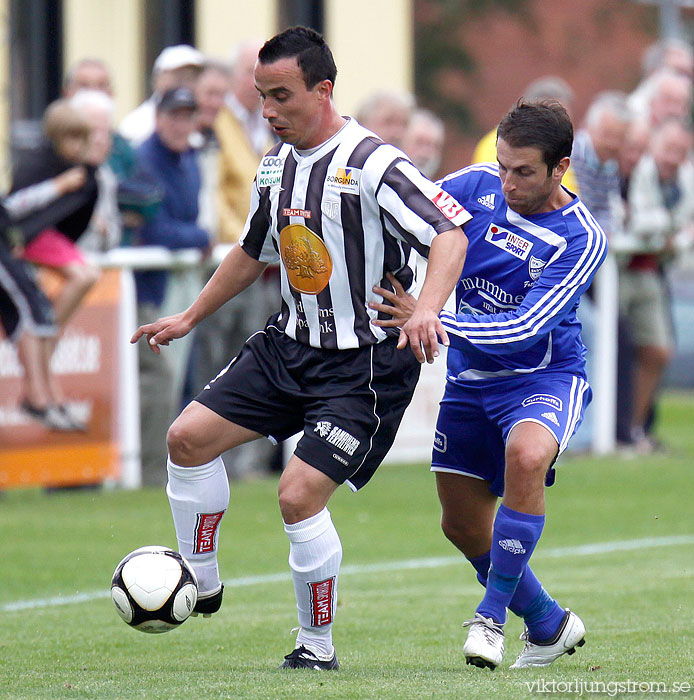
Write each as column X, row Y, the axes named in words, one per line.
column 592, row 44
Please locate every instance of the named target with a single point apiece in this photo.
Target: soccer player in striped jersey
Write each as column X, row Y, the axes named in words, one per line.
column 516, row 386
column 339, row 209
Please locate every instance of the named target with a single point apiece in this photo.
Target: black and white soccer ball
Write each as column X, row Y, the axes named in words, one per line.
column 154, row 589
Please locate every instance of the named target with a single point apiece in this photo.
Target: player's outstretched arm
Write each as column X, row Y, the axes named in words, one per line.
column 424, row 329
column 163, row 331
column 237, row 271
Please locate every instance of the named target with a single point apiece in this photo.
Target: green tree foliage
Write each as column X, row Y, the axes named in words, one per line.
column 440, row 51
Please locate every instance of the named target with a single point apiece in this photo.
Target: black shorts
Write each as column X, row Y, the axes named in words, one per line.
column 22, row 303
column 348, row 403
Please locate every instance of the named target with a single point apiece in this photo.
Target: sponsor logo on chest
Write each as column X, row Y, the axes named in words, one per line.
column 344, row 180
column 306, row 259
column 490, row 291
column 305, row 213
column 270, row 171
column 507, row 240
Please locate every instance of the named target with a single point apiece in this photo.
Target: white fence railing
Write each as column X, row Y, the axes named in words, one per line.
column 413, row 443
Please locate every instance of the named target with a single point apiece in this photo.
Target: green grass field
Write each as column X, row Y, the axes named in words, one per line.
column 618, row 548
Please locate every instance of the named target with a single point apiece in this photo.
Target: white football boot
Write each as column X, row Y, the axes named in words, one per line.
column 570, row 635
column 484, row 646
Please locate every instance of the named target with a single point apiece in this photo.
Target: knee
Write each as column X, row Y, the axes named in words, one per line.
column 470, row 538
column 658, row 357
column 91, row 275
column 182, row 444
column 292, row 501
column 662, row 356
column 85, row 275
column 453, row 531
column 527, row 460
column 299, row 500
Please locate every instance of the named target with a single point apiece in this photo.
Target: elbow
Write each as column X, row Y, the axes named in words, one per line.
column 461, row 240
column 463, row 245
column 453, row 246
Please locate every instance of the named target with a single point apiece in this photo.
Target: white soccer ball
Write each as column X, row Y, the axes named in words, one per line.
column 154, row 589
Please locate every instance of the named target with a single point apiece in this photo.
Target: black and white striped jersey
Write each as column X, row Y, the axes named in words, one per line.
column 338, row 218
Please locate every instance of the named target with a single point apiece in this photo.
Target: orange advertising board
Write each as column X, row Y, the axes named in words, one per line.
column 86, row 365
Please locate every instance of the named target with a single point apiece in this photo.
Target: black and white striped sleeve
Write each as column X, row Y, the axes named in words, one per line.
column 416, row 209
column 256, row 239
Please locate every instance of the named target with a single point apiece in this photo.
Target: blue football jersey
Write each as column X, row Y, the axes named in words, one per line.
column 517, row 297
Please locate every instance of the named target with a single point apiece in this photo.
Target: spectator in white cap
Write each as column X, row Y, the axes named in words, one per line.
column 167, row 157
column 176, row 66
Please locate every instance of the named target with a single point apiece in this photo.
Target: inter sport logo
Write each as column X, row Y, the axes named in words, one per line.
column 508, row 241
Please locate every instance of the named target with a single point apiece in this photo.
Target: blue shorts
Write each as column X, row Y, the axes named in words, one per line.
column 474, row 422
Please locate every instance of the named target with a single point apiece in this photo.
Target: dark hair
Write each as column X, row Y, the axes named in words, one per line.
column 313, row 54
column 542, row 124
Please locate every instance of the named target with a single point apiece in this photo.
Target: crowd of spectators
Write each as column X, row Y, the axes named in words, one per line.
column 633, row 157
column 178, row 171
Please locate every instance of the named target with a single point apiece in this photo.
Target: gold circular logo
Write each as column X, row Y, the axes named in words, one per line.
column 305, row 258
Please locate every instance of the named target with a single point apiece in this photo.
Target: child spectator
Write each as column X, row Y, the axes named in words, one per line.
column 51, row 231
column 26, row 314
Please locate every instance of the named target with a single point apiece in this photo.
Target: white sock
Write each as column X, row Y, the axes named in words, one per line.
column 315, row 553
column 199, row 497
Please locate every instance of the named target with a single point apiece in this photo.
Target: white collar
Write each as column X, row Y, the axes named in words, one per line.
column 306, row 153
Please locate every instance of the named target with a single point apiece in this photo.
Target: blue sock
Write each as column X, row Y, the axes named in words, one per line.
column 481, row 565
column 540, row 612
column 513, row 542
column 543, row 616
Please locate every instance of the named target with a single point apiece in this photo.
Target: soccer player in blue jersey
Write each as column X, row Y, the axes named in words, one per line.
column 516, row 385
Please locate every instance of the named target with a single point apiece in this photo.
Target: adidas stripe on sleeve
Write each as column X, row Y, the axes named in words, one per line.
column 550, row 300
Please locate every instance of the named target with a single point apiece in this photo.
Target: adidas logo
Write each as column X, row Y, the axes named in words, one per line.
column 552, row 417
column 487, row 200
column 513, row 546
